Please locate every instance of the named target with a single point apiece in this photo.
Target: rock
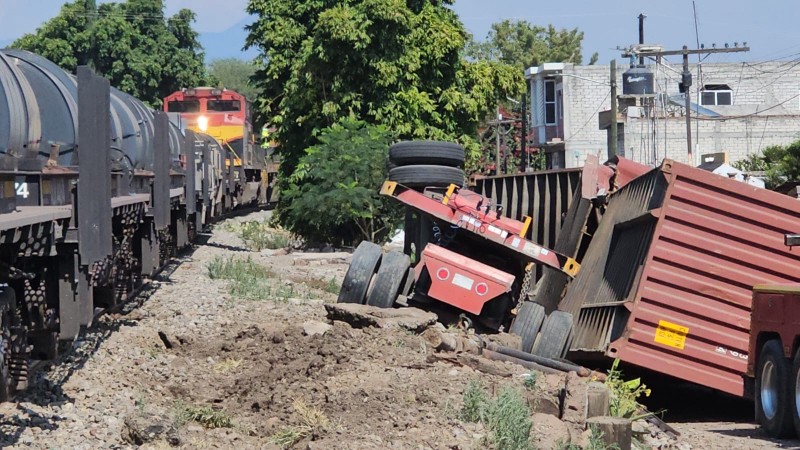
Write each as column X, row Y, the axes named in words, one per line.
column 360, row 316
column 549, row 432
column 142, row 428
column 314, row 327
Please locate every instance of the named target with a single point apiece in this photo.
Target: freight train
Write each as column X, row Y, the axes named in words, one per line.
column 97, row 192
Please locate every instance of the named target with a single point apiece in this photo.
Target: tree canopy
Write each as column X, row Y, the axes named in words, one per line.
column 522, row 44
column 779, row 164
column 234, row 73
column 390, row 62
column 131, row 43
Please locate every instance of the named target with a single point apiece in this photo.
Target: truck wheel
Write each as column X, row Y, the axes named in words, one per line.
column 421, row 176
column 553, row 341
column 528, row 323
column 365, row 262
column 390, row 278
column 774, row 391
column 427, row 152
column 408, row 285
column 796, row 398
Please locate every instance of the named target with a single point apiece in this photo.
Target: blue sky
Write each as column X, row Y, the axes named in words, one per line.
column 768, row 26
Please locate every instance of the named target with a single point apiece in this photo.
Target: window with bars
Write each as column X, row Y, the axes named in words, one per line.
column 716, row 95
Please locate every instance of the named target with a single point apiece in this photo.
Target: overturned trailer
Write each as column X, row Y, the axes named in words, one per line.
column 667, row 279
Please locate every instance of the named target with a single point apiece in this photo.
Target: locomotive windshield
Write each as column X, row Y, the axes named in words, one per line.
column 224, row 105
column 183, row 106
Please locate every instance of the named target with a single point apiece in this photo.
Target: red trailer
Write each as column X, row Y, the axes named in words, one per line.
column 773, row 370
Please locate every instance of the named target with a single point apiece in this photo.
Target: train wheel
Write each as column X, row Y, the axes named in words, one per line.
column 774, row 391
column 528, row 323
column 389, row 280
column 6, row 389
column 363, row 265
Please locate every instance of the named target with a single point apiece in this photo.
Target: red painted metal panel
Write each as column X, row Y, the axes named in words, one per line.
column 715, row 239
column 460, row 281
column 776, row 311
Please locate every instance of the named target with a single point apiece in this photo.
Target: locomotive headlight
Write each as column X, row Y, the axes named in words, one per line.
column 202, row 123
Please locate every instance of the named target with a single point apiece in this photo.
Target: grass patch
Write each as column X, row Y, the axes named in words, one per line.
column 249, row 280
column 311, row 421
column 259, row 235
column 507, row 417
column 204, row 415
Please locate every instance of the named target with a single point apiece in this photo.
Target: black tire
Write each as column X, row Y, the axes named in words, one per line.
column 795, row 403
column 528, row 323
column 421, row 176
column 408, row 284
column 774, row 394
column 427, row 152
column 553, row 341
column 365, row 262
column 389, row 280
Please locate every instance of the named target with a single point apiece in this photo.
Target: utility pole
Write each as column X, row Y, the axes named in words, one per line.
column 613, row 149
column 497, row 135
column 90, row 9
column 641, row 35
column 686, row 78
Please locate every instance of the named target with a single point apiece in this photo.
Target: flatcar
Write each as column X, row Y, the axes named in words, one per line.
column 97, row 192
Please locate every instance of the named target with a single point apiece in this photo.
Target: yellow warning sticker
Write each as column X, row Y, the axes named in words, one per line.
column 671, row 334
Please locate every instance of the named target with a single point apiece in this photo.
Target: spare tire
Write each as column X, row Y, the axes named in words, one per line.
column 427, row 152
column 423, row 175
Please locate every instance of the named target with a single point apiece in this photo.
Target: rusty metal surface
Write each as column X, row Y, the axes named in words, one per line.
column 544, row 196
column 667, row 278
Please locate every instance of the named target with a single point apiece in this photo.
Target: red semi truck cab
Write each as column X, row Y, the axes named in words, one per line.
column 773, row 368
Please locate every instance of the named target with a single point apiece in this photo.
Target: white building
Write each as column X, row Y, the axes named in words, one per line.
column 739, row 108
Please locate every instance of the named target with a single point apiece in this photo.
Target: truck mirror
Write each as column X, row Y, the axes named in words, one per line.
column 792, row 239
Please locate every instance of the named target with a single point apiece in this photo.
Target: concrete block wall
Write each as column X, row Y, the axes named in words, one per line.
column 765, row 111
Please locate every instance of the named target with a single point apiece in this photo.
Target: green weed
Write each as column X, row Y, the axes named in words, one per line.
column 624, row 394
column 507, row 416
column 530, row 381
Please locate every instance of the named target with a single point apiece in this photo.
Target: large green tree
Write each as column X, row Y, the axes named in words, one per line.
column 131, row 43
column 391, row 62
column 234, row 73
column 523, row 44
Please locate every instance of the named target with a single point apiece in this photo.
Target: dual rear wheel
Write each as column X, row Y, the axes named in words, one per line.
column 777, row 391
column 374, row 278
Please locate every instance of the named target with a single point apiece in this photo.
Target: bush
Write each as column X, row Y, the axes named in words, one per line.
column 333, row 195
